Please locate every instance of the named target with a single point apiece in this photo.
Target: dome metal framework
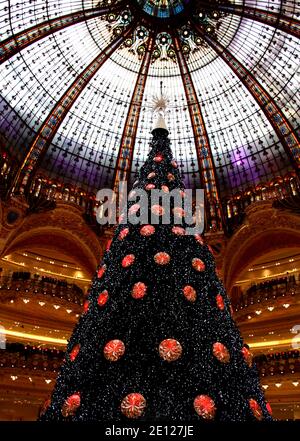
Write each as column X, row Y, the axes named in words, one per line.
column 77, row 78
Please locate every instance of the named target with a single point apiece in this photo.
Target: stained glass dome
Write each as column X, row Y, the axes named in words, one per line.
column 77, row 79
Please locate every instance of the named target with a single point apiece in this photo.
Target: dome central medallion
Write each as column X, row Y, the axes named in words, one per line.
column 163, row 8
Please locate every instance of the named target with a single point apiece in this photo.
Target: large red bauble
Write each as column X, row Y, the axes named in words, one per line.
column 179, row 231
column 128, row 260
column 162, row 258
column 158, row 158
column 134, row 208
column 149, row 186
column 101, row 271
column 269, row 408
column 165, row 188
column 210, row 249
column 179, row 212
column 113, row 350
column 170, row 177
column 123, row 233
column 139, row 290
column 133, row 405
column 174, row 164
column 147, row 230
column 256, row 409
column 102, row 298
column 86, row 306
column 45, row 406
column 198, row 264
column 170, row 349
column 74, row 352
column 220, row 302
column 108, row 244
column 71, row 405
column 199, row 239
column 190, row 293
column 247, row 356
column 158, row 210
column 221, row 352
column 151, row 175
column 205, row 407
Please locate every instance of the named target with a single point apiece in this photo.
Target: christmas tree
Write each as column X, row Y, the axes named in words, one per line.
column 157, row 340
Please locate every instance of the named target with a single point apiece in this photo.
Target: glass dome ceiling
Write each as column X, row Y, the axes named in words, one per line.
column 77, row 79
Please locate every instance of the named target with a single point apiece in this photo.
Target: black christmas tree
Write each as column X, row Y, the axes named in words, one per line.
column 157, row 340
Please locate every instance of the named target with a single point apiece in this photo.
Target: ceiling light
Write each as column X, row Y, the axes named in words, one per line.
column 56, row 306
column 69, row 311
column 41, row 303
column 14, row 377
column 26, row 301
column 278, row 384
column 249, row 317
column 270, row 308
column 286, row 305
column 295, row 383
column 258, row 312
column 265, row 386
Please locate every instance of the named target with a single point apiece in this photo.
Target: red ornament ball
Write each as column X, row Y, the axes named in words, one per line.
column 170, row 177
column 123, row 233
column 133, row 405
column 190, row 293
column 45, row 406
column 151, row 175
column 269, row 408
column 71, row 404
column 170, row 349
column 162, row 258
column 158, row 158
column 101, row 271
column 114, row 350
column 247, row 356
column 86, row 306
column 205, row 407
column 198, row 264
column 147, row 230
column 199, row 239
column 256, row 409
column 165, row 188
column 220, row 302
column 74, row 352
column 134, row 209
column 158, row 210
column 139, row 290
column 179, row 231
column 102, row 298
column 221, row 352
column 174, row 164
column 179, row 212
column 108, row 244
column 149, row 186
column 210, row 249
column 128, row 260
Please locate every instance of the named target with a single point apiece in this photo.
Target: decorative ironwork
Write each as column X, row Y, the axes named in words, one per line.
column 56, row 116
column 276, row 117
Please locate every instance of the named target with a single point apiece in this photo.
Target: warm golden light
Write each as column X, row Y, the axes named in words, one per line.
column 35, row 337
